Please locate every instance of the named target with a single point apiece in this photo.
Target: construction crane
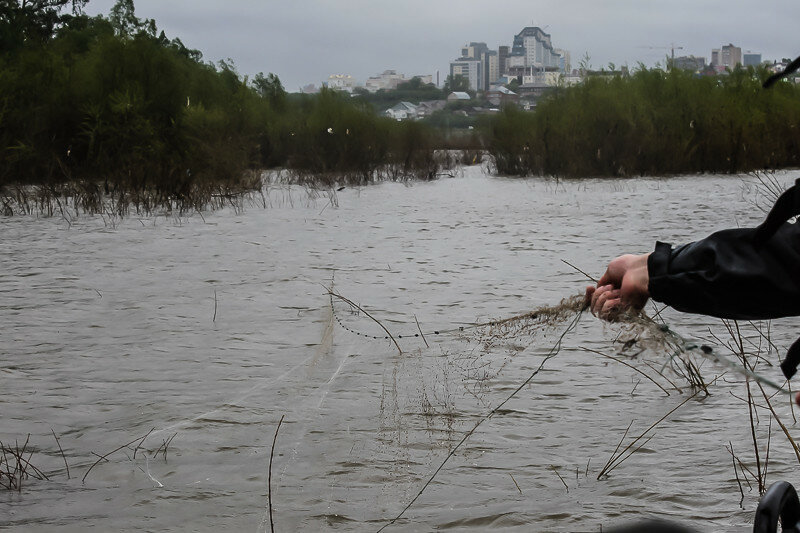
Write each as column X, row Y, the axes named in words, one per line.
column 671, row 48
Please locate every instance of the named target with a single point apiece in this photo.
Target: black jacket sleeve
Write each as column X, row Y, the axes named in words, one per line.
column 729, row 274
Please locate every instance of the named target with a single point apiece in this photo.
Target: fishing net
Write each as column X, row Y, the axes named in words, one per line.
column 486, row 348
column 443, row 384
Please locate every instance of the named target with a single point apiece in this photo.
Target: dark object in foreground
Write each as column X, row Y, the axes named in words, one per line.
column 780, row 501
column 652, row 526
column 786, row 207
column 791, row 67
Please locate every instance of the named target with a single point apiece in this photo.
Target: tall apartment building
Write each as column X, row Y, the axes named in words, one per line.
column 535, row 47
column 471, row 69
column 731, row 55
column 532, row 50
column 564, row 59
column 727, row 56
column 478, row 64
column 502, row 55
column 492, row 61
column 474, row 50
column 750, row 59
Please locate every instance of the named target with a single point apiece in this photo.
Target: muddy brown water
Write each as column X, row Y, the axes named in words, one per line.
column 212, row 328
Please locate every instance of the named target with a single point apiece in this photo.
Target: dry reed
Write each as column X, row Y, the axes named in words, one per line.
column 16, row 468
column 269, row 478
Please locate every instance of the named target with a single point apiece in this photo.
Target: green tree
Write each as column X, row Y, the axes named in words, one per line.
column 126, row 23
column 513, row 85
column 271, row 89
column 414, row 84
column 37, row 21
column 456, row 83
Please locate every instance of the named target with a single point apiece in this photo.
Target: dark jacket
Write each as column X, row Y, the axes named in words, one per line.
column 747, row 274
column 726, row 275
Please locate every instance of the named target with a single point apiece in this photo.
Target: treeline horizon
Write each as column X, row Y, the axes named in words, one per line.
column 108, row 107
column 651, row 123
column 108, row 110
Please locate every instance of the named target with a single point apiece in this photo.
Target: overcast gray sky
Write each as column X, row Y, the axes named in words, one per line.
column 304, row 41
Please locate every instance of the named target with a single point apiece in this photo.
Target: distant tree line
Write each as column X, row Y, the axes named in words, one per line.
column 653, row 122
column 414, row 91
column 109, row 107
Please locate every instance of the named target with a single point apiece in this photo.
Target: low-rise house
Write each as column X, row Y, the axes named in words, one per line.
column 427, row 108
column 477, row 110
column 502, row 95
column 402, row 111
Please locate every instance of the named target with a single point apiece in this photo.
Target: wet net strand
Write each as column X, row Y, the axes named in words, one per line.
column 552, row 353
column 648, row 334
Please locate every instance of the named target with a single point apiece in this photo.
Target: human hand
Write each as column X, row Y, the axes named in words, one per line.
column 623, row 287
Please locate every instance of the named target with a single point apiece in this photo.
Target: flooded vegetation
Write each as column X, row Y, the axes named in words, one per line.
column 110, row 115
column 653, row 123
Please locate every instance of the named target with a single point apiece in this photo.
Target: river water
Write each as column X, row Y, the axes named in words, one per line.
column 211, row 328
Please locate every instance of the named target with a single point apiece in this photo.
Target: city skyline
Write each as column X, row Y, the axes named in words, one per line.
column 305, row 42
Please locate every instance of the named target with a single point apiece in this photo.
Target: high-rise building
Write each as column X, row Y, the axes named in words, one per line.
column 532, row 51
column 536, row 49
column 473, row 50
column 502, row 59
column 728, row 56
column 492, row 63
column 750, row 59
column 564, row 59
column 477, row 63
column 731, row 56
column 471, row 69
